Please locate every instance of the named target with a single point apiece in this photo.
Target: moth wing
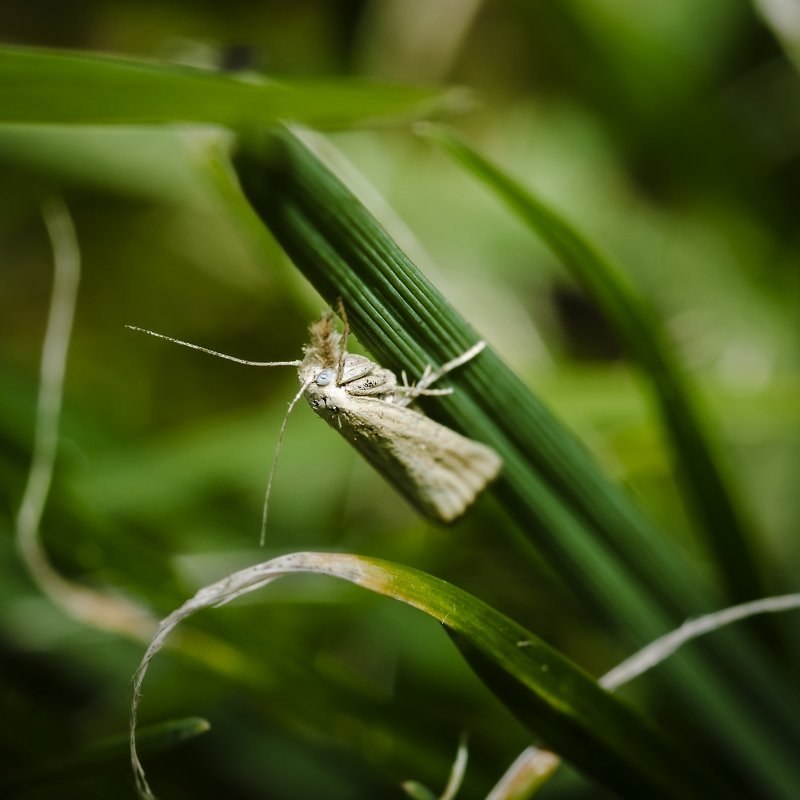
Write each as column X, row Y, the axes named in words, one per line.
column 438, row 470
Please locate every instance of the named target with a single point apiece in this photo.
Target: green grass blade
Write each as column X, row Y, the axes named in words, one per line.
column 728, row 539
column 50, row 86
column 113, row 752
column 416, row 791
column 604, row 546
column 601, row 735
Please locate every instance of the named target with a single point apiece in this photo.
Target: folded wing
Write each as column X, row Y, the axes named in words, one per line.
column 438, row 470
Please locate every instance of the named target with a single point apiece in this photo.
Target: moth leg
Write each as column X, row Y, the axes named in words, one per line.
column 430, row 376
column 410, row 393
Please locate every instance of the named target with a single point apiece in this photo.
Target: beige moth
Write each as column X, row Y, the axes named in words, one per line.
column 439, row 471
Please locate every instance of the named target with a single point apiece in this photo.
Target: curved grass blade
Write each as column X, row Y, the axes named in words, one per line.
column 51, row 86
column 728, row 538
column 622, row 564
column 599, row 734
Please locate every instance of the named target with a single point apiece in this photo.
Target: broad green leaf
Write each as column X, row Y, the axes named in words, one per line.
column 50, row 86
column 601, row 735
column 728, row 539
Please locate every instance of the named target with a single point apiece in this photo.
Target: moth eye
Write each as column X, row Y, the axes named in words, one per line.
column 325, row 377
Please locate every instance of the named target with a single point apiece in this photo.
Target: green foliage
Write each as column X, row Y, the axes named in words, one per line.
column 57, row 88
column 665, row 137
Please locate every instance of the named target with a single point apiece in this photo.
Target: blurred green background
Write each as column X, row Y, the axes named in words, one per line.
column 671, row 135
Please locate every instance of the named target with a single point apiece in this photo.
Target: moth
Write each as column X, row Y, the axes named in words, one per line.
column 440, row 472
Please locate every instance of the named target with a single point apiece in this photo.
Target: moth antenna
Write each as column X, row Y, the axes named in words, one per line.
column 274, row 466
column 343, row 342
column 215, row 353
